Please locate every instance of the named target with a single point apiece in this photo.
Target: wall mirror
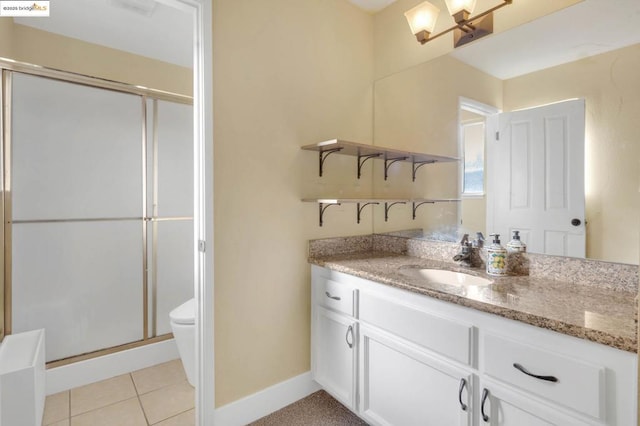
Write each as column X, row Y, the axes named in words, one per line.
column 422, row 109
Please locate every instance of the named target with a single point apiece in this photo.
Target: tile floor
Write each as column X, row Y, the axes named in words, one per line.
column 158, row 395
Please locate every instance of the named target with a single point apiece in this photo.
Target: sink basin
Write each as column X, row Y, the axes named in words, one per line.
column 439, row 276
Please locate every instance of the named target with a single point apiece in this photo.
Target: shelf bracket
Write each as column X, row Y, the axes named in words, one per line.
column 322, row 207
column 362, row 206
column 417, row 164
column 389, row 161
column 387, row 206
column 366, row 157
column 416, row 205
column 322, row 155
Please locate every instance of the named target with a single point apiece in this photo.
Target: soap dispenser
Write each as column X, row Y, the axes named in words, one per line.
column 496, row 257
column 517, row 262
column 516, row 245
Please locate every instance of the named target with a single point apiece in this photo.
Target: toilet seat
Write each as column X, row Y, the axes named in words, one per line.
column 185, row 313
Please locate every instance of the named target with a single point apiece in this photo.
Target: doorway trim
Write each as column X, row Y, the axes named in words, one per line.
column 202, row 14
column 490, row 127
column 201, row 11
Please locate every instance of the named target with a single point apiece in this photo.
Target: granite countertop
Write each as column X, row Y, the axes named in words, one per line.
column 597, row 314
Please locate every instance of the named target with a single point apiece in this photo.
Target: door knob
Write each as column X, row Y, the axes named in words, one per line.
column 576, row 222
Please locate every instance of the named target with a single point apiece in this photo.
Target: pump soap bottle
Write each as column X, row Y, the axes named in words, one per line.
column 496, row 258
column 517, row 263
column 516, row 245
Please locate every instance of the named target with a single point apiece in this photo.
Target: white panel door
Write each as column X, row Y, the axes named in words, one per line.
column 401, row 385
column 536, row 178
column 76, row 151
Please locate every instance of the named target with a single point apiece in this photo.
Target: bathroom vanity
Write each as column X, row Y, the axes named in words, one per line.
column 398, row 350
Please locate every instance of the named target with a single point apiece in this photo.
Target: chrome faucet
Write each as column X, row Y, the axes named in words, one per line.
column 479, row 241
column 469, row 255
column 464, row 257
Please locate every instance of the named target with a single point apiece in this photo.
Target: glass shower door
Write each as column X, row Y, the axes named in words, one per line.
column 76, row 204
column 170, row 249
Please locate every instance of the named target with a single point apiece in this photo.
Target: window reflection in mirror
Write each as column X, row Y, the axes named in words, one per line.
column 473, row 159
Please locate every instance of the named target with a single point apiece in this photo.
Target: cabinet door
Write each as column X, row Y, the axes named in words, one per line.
column 402, row 385
column 333, row 354
column 502, row 406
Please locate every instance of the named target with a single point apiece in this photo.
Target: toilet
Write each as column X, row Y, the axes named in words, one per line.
column 182, row 321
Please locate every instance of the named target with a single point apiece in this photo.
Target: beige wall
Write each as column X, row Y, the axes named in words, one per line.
column 417, row 110
column 55, row 51
column 397, row 49
column 286, row 73
column 610, row 85
column 6, row 37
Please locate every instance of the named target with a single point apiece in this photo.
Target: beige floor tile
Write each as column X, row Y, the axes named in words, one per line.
column 123, row 413
column 188, row 418
column 158, row 376
column 56, row 408
column 65, row 422
column 167, row 402
column 101, row 394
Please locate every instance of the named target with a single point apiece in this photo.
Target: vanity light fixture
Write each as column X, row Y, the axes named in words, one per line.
column 422, row 20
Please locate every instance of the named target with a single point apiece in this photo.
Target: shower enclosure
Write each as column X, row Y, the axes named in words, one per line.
column 97, row 209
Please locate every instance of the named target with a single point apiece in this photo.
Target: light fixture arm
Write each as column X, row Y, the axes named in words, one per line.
column 463, row 21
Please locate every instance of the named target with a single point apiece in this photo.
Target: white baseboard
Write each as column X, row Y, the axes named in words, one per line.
column 93, row 370
column 260, row 404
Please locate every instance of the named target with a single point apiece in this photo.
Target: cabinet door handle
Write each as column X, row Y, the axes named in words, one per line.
column 331, row 297
column 485, row 396
column 463, row 383
column 524, row 370
column 346, row 337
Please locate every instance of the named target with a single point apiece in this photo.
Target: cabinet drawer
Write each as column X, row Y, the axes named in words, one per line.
column 450, row 338
column 339, row 297
column 561, row 379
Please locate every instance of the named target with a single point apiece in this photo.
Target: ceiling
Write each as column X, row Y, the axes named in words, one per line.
column 166, row 35
column 584, row 29
column 372, row 5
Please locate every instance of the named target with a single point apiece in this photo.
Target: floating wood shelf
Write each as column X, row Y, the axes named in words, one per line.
column 324, row 203
column 366, row 152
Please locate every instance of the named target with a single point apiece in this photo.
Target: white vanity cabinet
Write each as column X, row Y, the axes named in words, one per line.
column 396, row 357
column 414, row 366
column 334, row 338
column 400, row 384
column 500, row 406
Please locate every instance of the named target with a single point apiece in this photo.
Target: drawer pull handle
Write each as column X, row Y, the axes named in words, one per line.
column 346, row 337
column 331, row 297
column 463, row 383
column 485, row 396
column 524, row 370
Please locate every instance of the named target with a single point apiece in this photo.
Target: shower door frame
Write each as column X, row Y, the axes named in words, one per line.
column 7, row 69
